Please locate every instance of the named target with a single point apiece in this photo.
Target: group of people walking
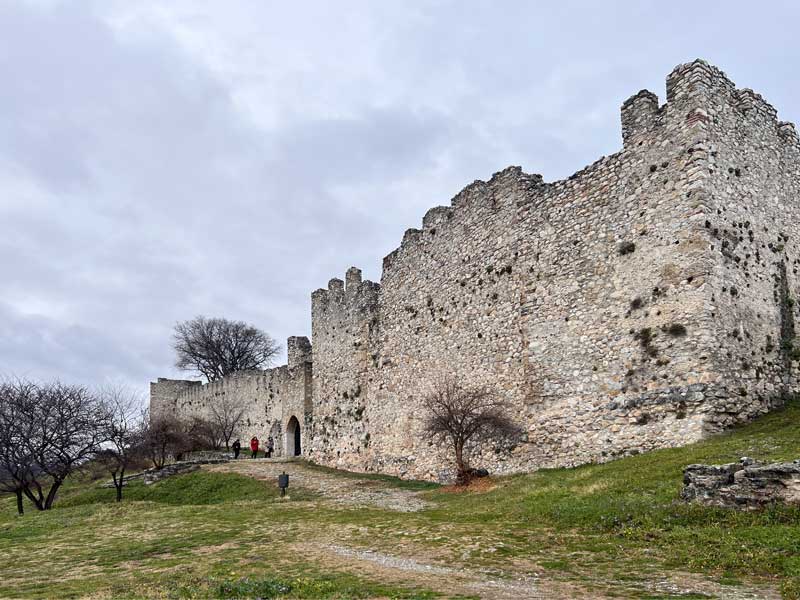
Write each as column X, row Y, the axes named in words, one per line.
column 269, row 448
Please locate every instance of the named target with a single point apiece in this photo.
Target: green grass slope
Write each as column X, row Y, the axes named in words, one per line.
column 609, row 528
column 630, row 509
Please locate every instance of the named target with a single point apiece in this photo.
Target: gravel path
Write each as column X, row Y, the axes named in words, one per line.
column 484, row 584
column 462, row 581
column 516, row 583
column 342, row 489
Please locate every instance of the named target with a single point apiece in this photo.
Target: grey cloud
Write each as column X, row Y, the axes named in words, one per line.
column 163, row 160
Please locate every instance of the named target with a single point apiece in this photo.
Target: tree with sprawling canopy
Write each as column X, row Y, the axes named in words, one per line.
column 216, row 347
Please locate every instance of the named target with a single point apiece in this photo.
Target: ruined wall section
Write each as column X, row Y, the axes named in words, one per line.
column 641, row 303
column 344, row 325
column 753, row 231
column 164, row 395
column 271, row 397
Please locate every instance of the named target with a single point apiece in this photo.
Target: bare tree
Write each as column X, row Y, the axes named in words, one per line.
column 227, row 413
column 123, row 431
column 462, row 415
column 202, row 434
column 215, row 348
column 162, row 436
column 16, row 463
column 68, row 431
column 49, row 430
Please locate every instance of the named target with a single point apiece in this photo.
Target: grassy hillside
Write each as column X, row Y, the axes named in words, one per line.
column 629, row 510
column 614, row 529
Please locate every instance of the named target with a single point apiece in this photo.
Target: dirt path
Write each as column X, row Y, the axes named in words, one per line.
column 520, row 580
column 338, row 488
column 459, row 580
column 451, row 580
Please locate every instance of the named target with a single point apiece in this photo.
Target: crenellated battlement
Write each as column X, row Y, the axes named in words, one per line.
column 436, row 217
column 788, row 132
column 640, row 115
column 694, row 91
column 350, row 293
column 711, row 93
column 697, row 79
column 411, row 236
column 500, row 192
column 753, row 104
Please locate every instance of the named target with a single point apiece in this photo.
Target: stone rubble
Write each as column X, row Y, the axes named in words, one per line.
column 744, row 485
column 150, row 476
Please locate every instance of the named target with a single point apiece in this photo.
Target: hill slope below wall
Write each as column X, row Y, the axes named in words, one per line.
column 611, row 530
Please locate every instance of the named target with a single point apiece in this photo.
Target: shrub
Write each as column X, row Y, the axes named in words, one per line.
column 676, row 330
column 645, row 337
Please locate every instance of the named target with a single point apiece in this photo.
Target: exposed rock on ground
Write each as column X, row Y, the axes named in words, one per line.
column 150, row 476
column 745, row 484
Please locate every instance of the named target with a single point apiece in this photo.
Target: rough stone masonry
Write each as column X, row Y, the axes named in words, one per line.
column 746, row 484
column 644, row 302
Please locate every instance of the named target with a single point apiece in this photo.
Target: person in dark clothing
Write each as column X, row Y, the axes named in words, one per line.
column 237, row 447
column 270, row 446
column 254, row 446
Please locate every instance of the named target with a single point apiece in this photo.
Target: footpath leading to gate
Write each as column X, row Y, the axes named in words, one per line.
column 342, row 487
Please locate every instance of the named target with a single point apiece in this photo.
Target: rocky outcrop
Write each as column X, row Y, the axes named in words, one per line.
column 178, row 468
column 151, row 476
column 745, row 484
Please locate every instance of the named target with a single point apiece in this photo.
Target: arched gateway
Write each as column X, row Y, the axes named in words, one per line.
column 293, row 437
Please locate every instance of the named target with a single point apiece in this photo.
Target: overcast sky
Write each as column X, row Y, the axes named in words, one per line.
column 164, row 159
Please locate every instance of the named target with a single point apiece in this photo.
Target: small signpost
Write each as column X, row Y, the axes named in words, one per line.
column 283, row 483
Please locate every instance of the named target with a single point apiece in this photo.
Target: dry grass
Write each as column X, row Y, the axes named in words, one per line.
column 480, row 485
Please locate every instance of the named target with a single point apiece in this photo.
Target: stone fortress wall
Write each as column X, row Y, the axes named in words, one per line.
column 277, row 401
column 644, row 302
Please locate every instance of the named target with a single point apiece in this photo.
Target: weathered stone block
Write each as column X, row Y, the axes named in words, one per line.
column 743, row 485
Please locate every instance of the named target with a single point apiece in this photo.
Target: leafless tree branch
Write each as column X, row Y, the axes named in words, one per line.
column 163, row 436
column 123, row 429
column 227, row 413
column 460, row 415
column 215, row 348
column 48, row 430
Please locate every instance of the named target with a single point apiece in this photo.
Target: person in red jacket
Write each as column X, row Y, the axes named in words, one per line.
column 254, row 446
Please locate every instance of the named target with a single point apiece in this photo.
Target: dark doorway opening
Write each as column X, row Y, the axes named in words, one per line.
column 293, row 447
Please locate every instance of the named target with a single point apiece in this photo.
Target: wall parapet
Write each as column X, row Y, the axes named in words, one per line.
column 639, row 115
column 353, row 292
column 477, row 195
